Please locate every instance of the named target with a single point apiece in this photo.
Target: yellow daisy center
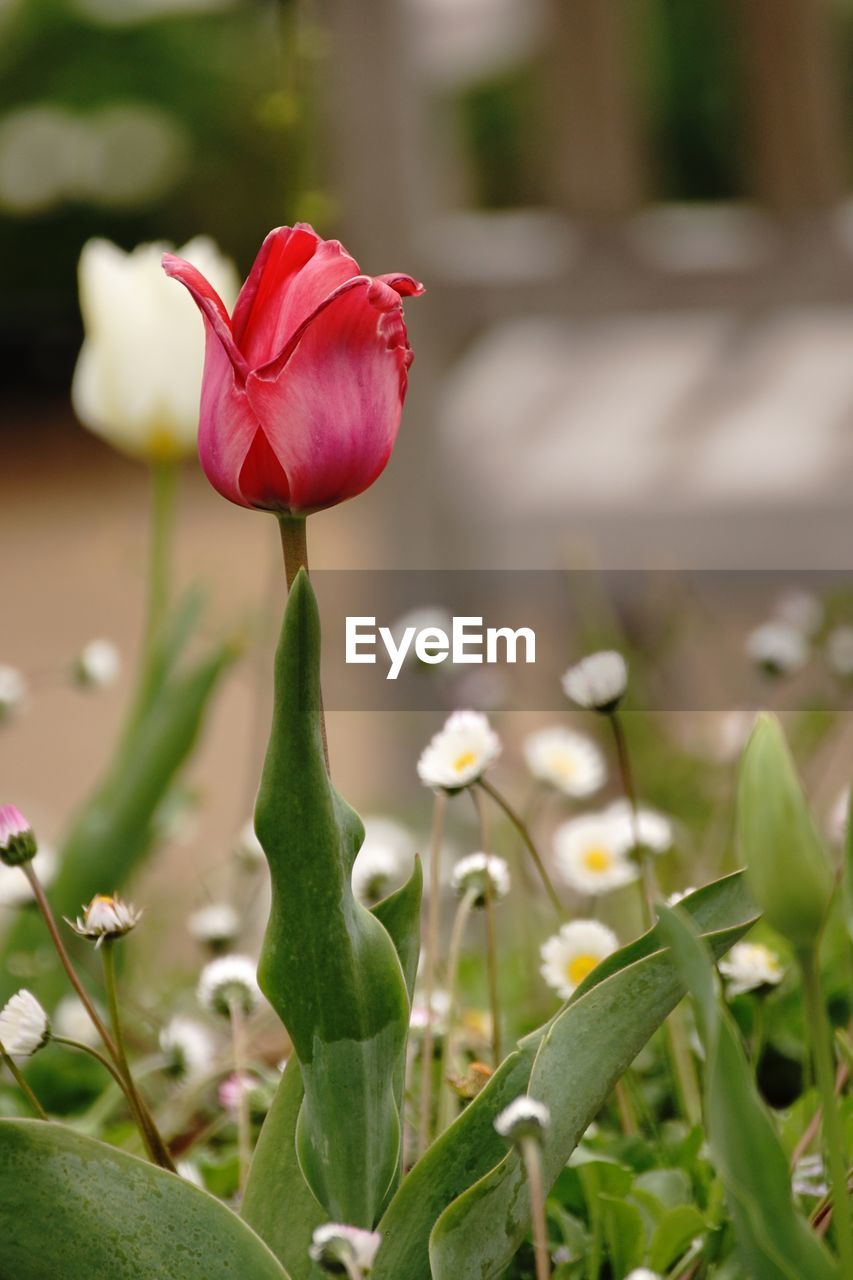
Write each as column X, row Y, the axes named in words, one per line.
column 563, row 765
column 464, row 761
column 597, row 858
column 579, row 966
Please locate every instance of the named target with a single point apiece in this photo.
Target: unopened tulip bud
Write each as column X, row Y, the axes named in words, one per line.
column 17, row 841
column 788, row 867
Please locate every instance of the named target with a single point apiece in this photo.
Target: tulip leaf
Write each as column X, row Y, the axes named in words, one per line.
column 467, row 1180
column 277, row 1202
column 774, row 1238
column 328, row 966
column 73, row 1207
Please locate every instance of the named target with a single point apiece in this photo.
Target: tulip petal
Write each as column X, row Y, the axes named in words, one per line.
column 227, row 425
column 293, row 273
column 209, row 304
column 330, row 405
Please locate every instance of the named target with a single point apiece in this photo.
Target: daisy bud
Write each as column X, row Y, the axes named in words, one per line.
column 749, row 966
column 215, row 926
column 523, row 1119
column 598, row 682
column 98, row 665
column 485, row 873
column 24, row 1026
column 459, row 753
column 778, row 649
column 572, row 954
column 337, row 1248
column 788, row 867
column 106, row 917
column 187, row 1047
column 13, row 691
column 227, row 982
column 17, row 841
column 566, row 760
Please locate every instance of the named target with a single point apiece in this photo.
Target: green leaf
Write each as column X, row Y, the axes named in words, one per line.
column 847, row 874
column 774, row 1238
column 673, row 1235
column 624, row 1234
column 75, row 1208
column 579, row 1055
column 277, row 1202
column 328, row 966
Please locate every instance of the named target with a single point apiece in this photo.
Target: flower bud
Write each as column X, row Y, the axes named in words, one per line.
column 17, row 841
column 523, row 1119
column 337, row 1248
column 484, row 874
column 598, row 682
column 24, row 1025
column 106, row 918
column 229, row 982
column 787, row 865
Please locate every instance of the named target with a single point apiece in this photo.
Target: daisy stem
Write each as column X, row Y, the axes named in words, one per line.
column 294, row 546
column 491, row 945
column 154, row 1143
column 430, row 966
column 454, row 950
column 531, row 1154
column 832, row 1131
column 22, row 1084
column 522, row 829
column 238, row 1038
column 164, row 484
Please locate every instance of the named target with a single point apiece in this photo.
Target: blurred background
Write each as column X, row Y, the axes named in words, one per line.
column 636, row 348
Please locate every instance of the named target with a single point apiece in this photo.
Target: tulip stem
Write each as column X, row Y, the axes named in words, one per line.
column 164, row 485
column 523, row 830
column 430, row 966
column 22, row 1084
column 294, row 546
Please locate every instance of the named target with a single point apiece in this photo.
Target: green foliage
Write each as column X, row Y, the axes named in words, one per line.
column 774, row 1238
column 328, row 967
column 75, row 1208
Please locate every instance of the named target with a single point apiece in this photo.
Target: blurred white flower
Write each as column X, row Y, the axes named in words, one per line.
column 215, row 925
column 432, row 618
column 750, row 965
column 460, row 752
column 13, row 691
column 106, row 917
column 598, row 682
column 523, row 1118
column 800, row 609
column 98, row 665
column 226, row 981
column 187, row 1047
column 679, row 895
column 643, row 1273
column 778, row 648
column 809, row 1177
column 71, row 1020
column 24, row 1025
column 591, row 854
column 484, row 873
column 571, row 955
column 440, row 1012
column 190, row 1172
column 653, row 829
column 567, row 760
column 839, row 651
column 338, row 1248
column 384, row 860
column 15, row 888
column 248, row 848
column 138, row 377
column 839, row 817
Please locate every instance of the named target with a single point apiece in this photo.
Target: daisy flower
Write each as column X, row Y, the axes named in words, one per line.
column 598, row 682
column 107, row 916
column 24, row 1025
column 481, row 872
column 523, row 1118
column 590, row 853
column 750, row 965
column 571, row 955
column 229, row 980
column 335, row 1247
column 384, row 859
column 567, row 760
column 460, row 752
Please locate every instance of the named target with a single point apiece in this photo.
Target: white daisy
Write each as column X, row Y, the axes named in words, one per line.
column 15, row 888
column 590, row 853
column 187, row 1047
column 839, row 651
column 643, row 1273
column 481, row 872
column 107, row 916
column 215, row 925
column 654, row 829
column 800, row 609
column 248, row 847
column 98, row 665
column 750, row 965
column 335, row 1247
column 523, row 1118
column 13, row 691
column 226, row 981
column 567, row 760
column 24, row 1025
column 571, row 955
column 384, row 859
column 679, row 895
column 460, row 752
column 778, row 648
column 598, row 682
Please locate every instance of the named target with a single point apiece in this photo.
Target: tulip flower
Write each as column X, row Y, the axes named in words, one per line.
column 137, row 376
column 304, row 384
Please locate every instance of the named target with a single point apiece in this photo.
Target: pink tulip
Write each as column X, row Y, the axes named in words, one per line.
column 303, row 386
